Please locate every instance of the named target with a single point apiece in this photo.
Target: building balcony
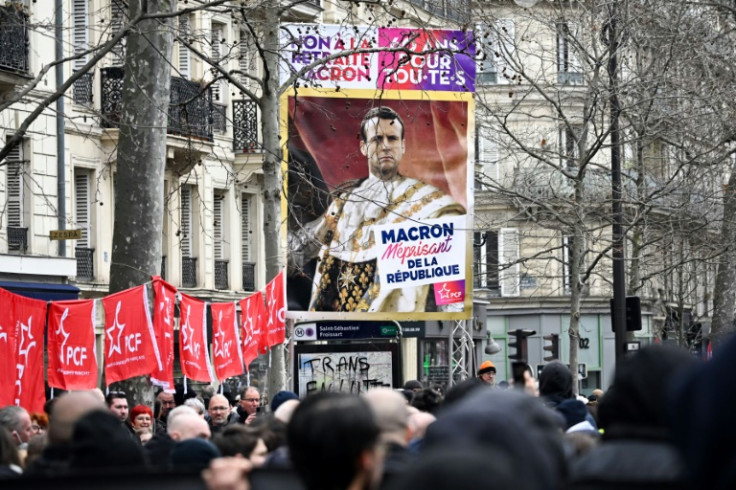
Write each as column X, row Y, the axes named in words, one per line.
column 221, row 276
column 14, row 67
column 17, row 239
column 85, row 263
column 189, row 272
column 83, row 89
column 190, row 105
column 249, row 276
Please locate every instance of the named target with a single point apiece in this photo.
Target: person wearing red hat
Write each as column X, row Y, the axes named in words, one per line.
column 487, row 373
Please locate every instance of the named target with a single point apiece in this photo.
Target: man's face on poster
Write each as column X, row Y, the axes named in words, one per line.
column 383, row 146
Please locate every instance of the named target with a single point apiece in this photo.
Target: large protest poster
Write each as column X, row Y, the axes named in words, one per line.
column 377, row 158
column 351, row 368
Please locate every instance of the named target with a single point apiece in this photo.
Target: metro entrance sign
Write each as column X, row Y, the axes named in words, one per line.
column 336, row 330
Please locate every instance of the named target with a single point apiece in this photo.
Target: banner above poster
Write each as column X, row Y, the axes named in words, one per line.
column 338, row 57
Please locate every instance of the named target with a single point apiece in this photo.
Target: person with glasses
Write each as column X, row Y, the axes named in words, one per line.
column 220, row 415
column 250, row 400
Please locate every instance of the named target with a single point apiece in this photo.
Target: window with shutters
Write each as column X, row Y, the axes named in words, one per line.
column 487, row 171
column 118, row 19
column 217, row 44
column 246, row 60
column 246, row 242
column 82, row 91
column 219, row 227
column 186, row 238
column 569, row 68
column 83, row 251
column 184, row 56
column 486, row 260
column 15, row 172
column 508, row 246
column 495, row 48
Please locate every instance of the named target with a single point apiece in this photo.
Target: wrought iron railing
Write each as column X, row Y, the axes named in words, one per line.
column 163, row 267
column 190, row 105
column 13, row 39
column 245, row 126
column 457, row 10
column 219, row 117
column 221, row 277
column 84, row 89
column 189, row 272
column 17, row 239
column 249, row 276
column 85, row 263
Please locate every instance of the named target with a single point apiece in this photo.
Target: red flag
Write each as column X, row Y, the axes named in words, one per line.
column 71, row 345
column 7, row 349
column 130, row 348
column 253, row 312
column 276, row 326
column 163, row 326
column 193, row 353
column 228, row 356
column 30, row 320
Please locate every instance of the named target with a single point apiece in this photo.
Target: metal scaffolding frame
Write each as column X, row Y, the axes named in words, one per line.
column 462, row 352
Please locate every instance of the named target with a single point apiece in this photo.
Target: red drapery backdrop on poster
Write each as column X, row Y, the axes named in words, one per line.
column 193, row 353
column 163, row 325
column 253, row 312
column 275, row 307
column 30, row 320
column 72, row 355
column 227, row 353
column 130, row 348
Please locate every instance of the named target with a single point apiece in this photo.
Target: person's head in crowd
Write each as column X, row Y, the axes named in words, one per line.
column 9, row 457
column 555, row 383
column 272, row 430
column 39, row 423
column 419, row 422
column 181, row 395
column 487, row 373
column 17, row 422
column 193, row 455
column 244, row 441
column 35, row 448
column 219, row 410
column 427, row 400
column 68, row 409
column 391, row 414
column 250, row 400
column 97, row 393
column 100, row 442
column 464, row 467
column 196, row 404
column 141, row 417
column 286, row 410
column 117, row 402
column 511, row 422
column 461, row 390
column 407, row 394
column 340, row 429
column 413, row 385
column 530, row 384
column 167, row 403
column 186, row 424
column 280, row 397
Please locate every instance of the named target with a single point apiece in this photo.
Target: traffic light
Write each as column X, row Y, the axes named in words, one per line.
column 553, row 348
column 633, row 314
column 519, row 344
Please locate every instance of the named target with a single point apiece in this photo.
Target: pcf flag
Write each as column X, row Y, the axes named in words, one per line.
column 130, row 346
column 7, row 349
column 228, row 356
column 30, row 320
column 71, row 345
column 276, row 326
column 163, row 326
column 253, row 313
column 193, row 353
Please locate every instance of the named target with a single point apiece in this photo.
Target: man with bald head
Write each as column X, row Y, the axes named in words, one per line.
column 392, row 417
column 188, row 426
column 68, row 409
column 220, row 413
column 183, row 423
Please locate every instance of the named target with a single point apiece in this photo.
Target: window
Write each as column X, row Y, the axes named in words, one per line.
column 218, row 38
column 495, row 47
column 83, row 251
column 82, row 91
column 487, row 175
column 188, row 259
column 219, row 227
column 569, row 69
column 118, row 18
column 246, row 242
column 246, row 60
column 486, row 260
column 508, row 241
column 569, row 153
column 184, row 55
column 15, row 171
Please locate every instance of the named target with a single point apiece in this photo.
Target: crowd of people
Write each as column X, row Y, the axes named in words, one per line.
column 661, row 424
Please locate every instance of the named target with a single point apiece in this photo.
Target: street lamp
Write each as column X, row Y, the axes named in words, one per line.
column 492, row 346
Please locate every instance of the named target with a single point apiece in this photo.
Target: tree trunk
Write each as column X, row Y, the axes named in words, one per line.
column 724, row 295
column 141, row 161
